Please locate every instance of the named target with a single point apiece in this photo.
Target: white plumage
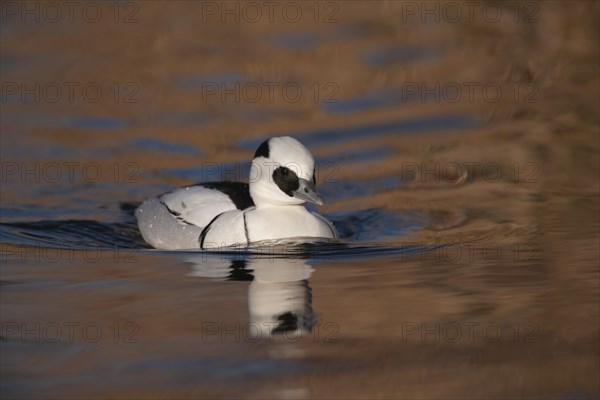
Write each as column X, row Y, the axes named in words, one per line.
column 220, row 214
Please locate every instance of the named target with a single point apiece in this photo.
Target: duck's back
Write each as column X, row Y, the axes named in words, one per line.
column 176, row 219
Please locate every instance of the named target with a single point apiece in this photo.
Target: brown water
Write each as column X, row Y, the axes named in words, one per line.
column 459, row 161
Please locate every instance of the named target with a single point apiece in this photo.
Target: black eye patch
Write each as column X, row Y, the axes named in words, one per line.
column 286, row 179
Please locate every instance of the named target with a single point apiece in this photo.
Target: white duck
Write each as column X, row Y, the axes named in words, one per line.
column 221, row 214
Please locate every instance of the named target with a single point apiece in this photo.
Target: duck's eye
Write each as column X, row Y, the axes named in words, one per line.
column 286, row 179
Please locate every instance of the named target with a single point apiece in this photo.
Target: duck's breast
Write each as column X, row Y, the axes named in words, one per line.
column 287, row 222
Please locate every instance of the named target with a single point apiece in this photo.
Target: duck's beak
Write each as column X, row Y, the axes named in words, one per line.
column 308, row 192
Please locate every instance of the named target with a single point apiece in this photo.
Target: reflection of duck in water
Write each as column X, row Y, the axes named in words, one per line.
column 215, row 214
column 279, row 296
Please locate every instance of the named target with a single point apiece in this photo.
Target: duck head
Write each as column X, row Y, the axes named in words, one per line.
column 283, row 173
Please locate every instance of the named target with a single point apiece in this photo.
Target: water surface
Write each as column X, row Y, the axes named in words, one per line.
column 468, row 260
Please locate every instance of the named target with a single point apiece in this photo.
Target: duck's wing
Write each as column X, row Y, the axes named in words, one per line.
column 175, row 220
column 238, row 192
column 200, row 204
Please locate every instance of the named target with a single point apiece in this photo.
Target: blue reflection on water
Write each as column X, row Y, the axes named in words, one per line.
column 158, row 145
column 401, row 55
column 328, row 136
column 297, row 40
column 200, row 81
column 96, row 123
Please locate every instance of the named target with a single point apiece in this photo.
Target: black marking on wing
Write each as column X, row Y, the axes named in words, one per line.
column 263, row 150
column 174, row 213
column 246, row 229
column 238, row 271
column 238, row 192
column 206, row 229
